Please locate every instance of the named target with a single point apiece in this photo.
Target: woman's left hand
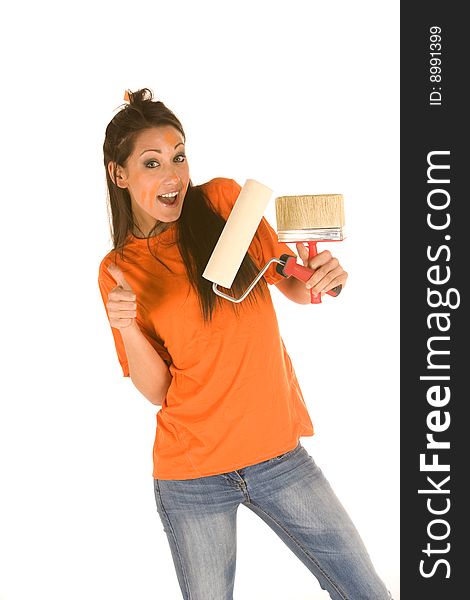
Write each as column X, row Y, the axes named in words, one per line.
column 328, row 272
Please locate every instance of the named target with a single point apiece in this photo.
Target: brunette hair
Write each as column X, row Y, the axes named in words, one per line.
column 199, row 226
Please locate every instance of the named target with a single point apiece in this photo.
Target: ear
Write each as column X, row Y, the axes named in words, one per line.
column 121, row 179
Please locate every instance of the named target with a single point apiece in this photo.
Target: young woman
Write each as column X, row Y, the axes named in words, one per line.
column 231, row 411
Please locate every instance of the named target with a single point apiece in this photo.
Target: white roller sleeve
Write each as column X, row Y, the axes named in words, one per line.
column 238, row 233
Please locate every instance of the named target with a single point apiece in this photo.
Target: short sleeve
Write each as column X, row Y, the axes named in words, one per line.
column 265, row 244
column 106, row 283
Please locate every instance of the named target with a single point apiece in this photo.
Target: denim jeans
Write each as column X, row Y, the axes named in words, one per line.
column 290, row 493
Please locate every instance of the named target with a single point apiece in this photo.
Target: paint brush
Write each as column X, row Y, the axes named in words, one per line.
column 310, row 219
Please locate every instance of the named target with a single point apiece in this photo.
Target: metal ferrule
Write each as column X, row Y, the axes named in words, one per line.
column 311, row 235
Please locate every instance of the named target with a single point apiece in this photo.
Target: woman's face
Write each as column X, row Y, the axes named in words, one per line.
column 156, row 167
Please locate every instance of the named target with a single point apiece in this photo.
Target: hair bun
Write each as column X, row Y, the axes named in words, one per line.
column 138, row 97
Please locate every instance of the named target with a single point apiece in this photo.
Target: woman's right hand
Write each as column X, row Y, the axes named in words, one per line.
column 121, row 304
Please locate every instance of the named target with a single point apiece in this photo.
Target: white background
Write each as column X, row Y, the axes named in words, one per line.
column 302, row 96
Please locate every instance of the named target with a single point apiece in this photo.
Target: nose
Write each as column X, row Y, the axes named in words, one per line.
column 172, row 177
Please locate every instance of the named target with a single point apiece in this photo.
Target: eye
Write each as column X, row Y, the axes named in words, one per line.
column 182, row 156
column 150, row 162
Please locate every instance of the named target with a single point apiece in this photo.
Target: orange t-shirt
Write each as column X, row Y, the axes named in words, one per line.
column 234, row 399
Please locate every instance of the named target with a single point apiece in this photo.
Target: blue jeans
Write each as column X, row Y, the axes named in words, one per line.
column 290, row 493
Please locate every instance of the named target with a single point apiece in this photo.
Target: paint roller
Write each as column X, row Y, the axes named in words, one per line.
column 305, row 219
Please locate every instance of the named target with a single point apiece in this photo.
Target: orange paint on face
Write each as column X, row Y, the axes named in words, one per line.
column 147, row 197
column 172, row 137
column 151, row 198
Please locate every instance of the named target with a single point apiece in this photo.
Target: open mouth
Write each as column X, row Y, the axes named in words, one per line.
column 170, row 199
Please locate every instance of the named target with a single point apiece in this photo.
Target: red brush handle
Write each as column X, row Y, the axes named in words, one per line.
column 312, row 251
column 292, row 269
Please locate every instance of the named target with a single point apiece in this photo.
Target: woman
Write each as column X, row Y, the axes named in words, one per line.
column 231, row 411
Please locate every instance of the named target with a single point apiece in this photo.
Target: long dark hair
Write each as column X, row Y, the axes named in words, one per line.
column 199, row 226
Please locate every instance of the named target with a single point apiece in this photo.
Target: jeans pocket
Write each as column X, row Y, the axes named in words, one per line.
column 285, row 455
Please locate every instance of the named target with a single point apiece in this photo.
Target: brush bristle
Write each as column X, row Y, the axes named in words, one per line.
column 320, row 211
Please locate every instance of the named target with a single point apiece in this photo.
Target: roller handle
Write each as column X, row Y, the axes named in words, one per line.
column 290, row 268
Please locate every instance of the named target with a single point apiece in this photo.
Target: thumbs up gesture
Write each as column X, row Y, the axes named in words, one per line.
column 121, row 304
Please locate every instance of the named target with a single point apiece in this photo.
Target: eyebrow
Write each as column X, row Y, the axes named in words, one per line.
column 159, row 151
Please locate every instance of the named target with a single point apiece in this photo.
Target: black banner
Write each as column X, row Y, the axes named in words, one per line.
column 434, row 300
